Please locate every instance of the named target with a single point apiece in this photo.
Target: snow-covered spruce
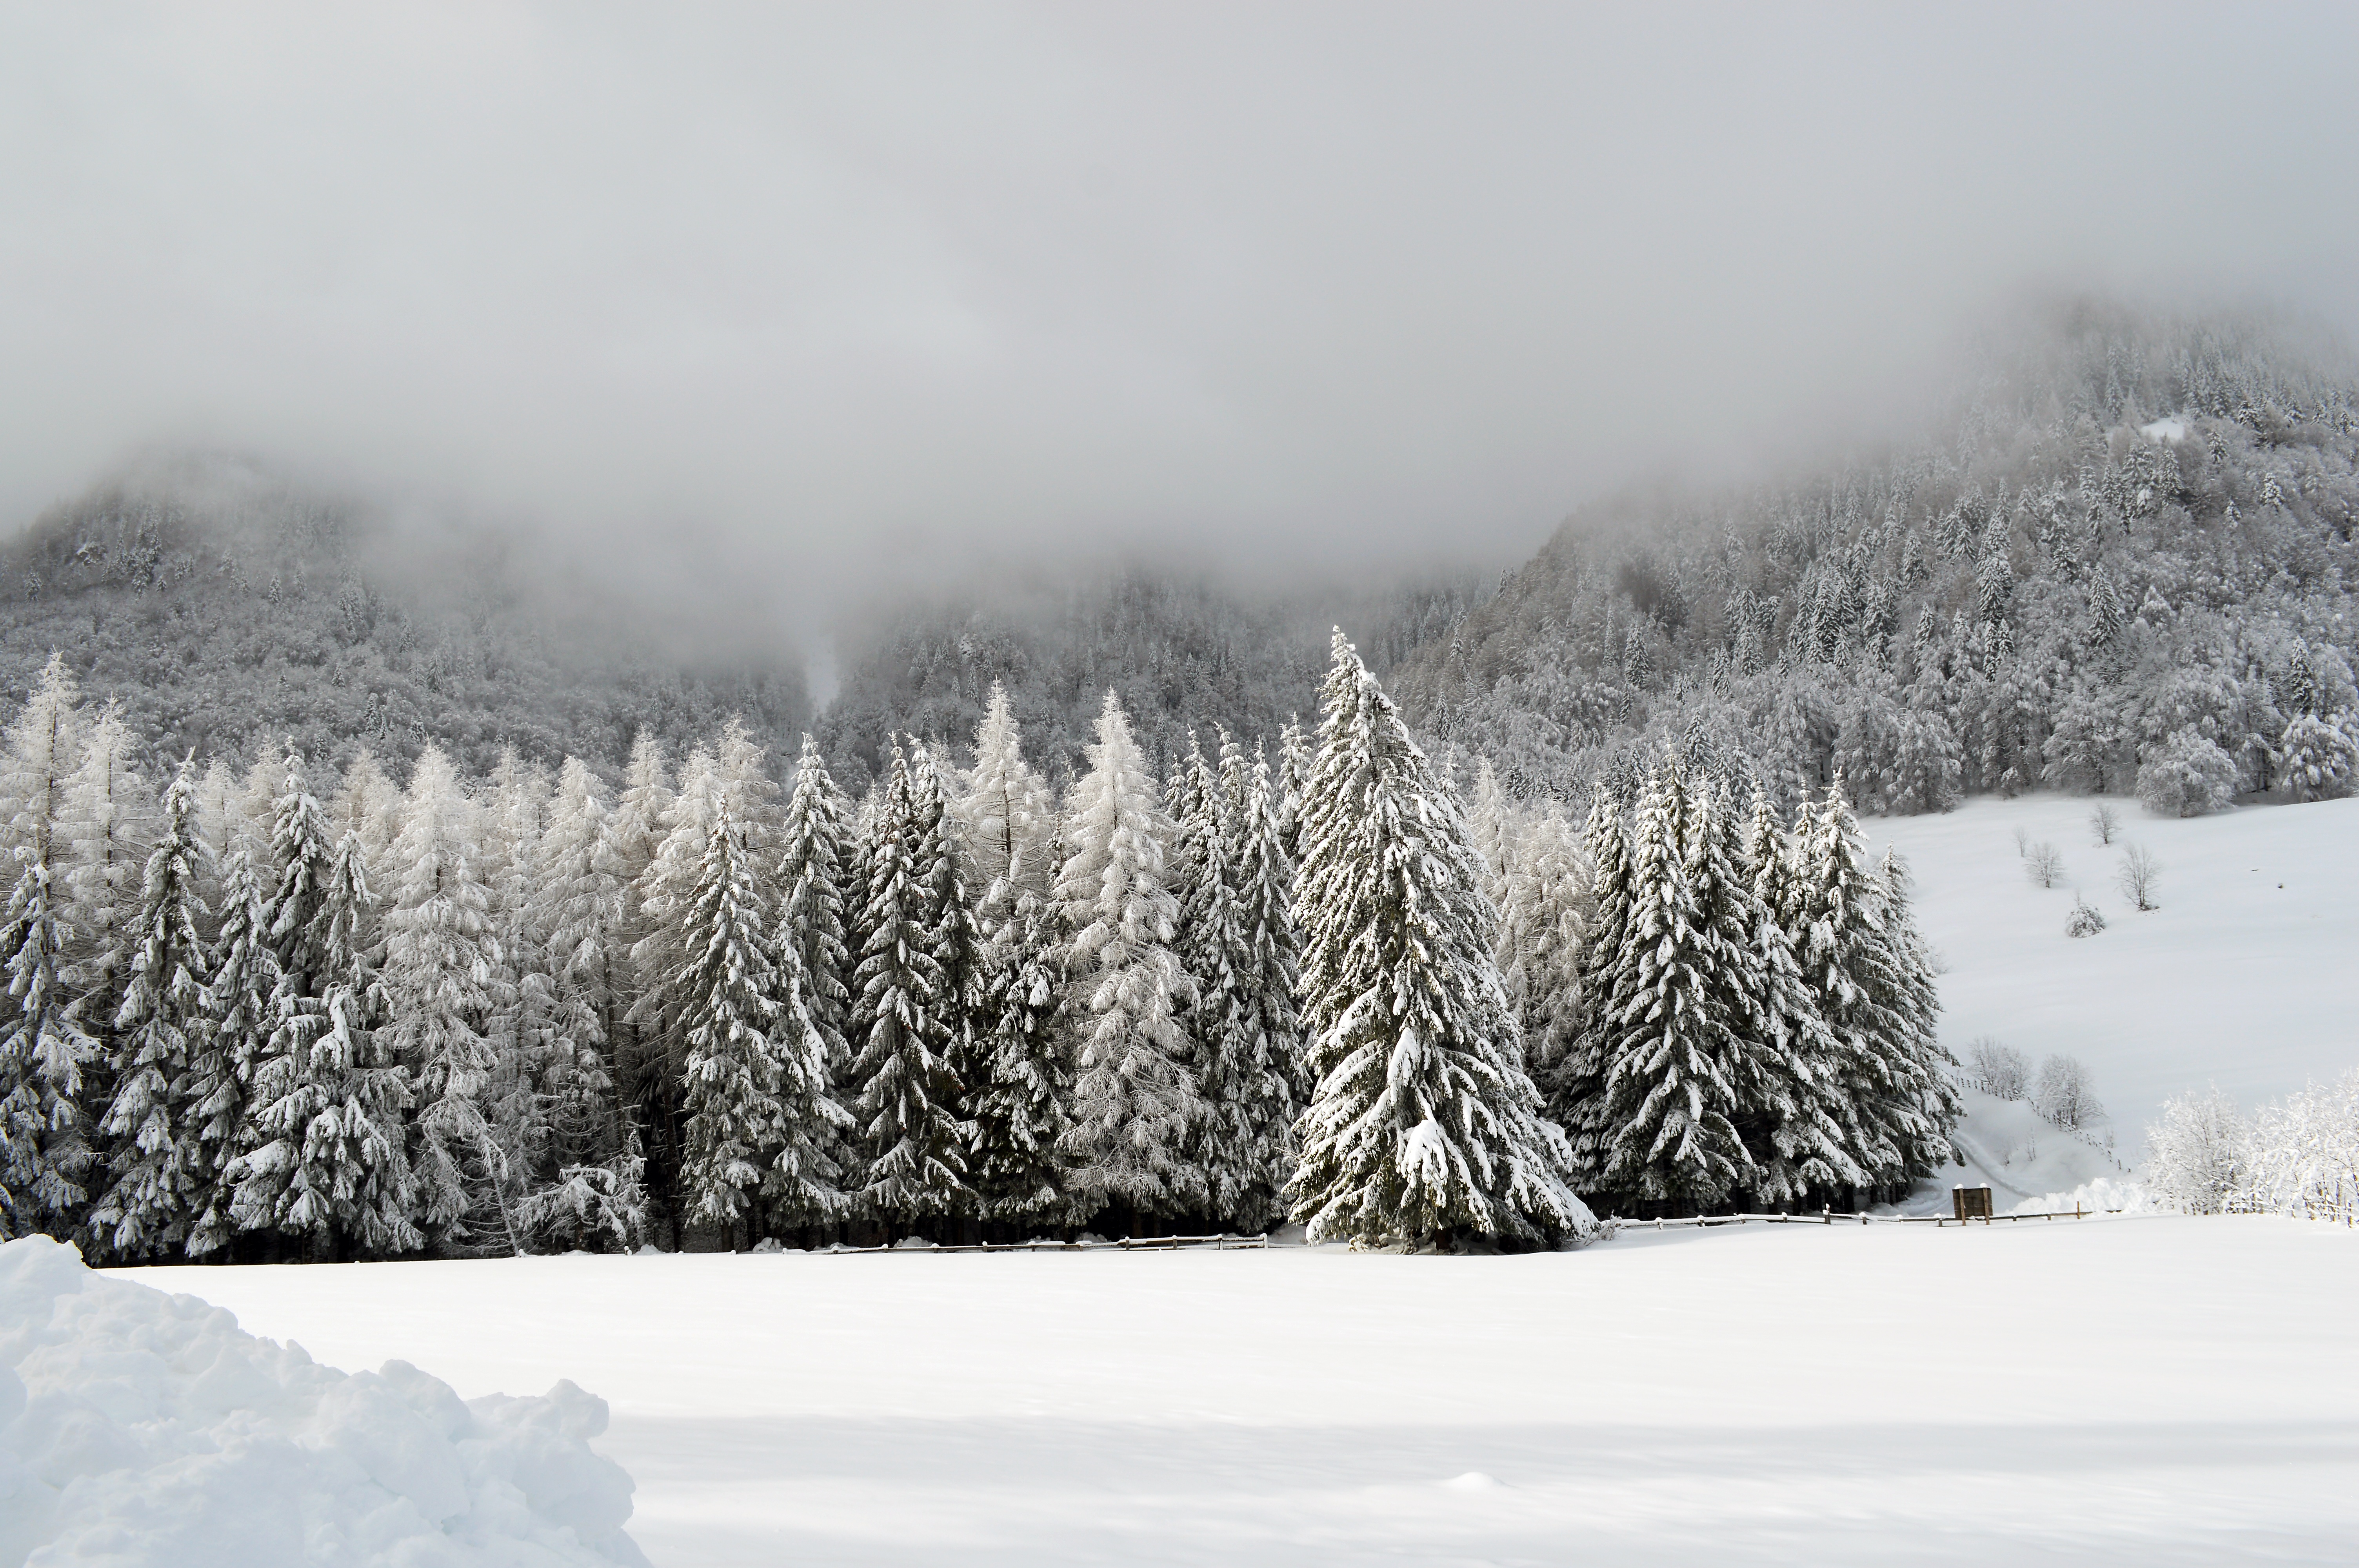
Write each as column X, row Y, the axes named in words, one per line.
column 149, row 1430
column 1425, row 1125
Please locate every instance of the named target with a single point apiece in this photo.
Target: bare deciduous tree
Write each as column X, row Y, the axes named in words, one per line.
column 2044, row 864
column 2065, row 1096
column 2104, row 822
column 2003, row 1070
column 2138, row 876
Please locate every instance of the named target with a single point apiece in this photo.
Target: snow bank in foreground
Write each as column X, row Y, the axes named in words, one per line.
column 138, row 1427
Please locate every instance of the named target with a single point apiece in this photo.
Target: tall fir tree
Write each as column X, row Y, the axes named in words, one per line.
column 818, row 878
column 45, row 1145
column 1211, row 943
column 947, row 916
column 1017, row 1104
column 756, row 1087
column 1265, row 1022
column 1684, row 1003
column 1866, row 993
column 1135, row 1098
column 159, row 1028
column 328, row 1168
column 219, row 1080
column 909, row 1093
column 1576, row 1080
column 1007, row 813
column 1424, row 1125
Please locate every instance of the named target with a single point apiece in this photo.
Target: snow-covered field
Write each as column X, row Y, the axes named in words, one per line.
column 2141, row 1390
column 2247, row 976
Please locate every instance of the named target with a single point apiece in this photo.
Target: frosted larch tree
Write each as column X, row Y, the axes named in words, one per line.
column 108, row 828
column 441, row 977
column 1135, row 1098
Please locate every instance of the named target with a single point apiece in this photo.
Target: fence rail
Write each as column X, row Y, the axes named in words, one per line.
column 1829, row 1217
column 1120, row 1244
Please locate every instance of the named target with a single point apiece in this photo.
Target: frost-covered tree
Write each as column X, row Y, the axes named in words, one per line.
column 1684, row 1003
column 1864, row 961
column 36, row 760
column 2200, row 1155
column 1007, row 813
column 220, row 1079
column 819, row 882
column 442, row 985
column 1134, row 1097
column 1425, row 1124
column 45, row 1146
column 328, row 1168
column 2191, row 776
column 912, row 1136
column 369, row 804
column 1265, row 1024
column 2064, row 1094
column 106, row 829
column 946, row 913
column 1018, row 1103
column 1543, row 885
column 159, row 1027
column 1575, row 1079
column 2317, row 758
column 755, row 1088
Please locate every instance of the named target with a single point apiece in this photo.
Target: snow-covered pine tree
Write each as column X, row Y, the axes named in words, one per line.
column 328, row 1169
column 1272, row 1080
column 1685, row 1002
column 754, row 1084
column 909, row 1094
column 45, row 1145
column 108, row 828
column 947, row 915
column 1135, row 1099
column 161, row 1025
column 1211, row 945
column 1575, row 1081
column 1017, row 1105
column 440, row 980
column 754, row 799
column 818, row 878
column 1293, row 768
column 1867, row 997
column 220, row 1079
column 662, row 895
column 1797, row 1122
column 1922, row 1106
column 1425, row 1125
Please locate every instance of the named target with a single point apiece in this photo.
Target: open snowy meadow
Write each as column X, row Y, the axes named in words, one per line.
column 2151, row 1389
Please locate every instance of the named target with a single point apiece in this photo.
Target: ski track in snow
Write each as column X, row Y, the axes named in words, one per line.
column 2146, row 1390
column 2237, row 980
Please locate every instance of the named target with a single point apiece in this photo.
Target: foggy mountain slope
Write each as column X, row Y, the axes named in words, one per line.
column 226, row 608
column 2128, row 530
column 1181, row 650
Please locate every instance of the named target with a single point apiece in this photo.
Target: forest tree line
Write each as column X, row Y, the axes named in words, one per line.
column 281, row 1016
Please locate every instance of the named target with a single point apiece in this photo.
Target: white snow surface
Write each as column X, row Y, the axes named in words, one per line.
column 2170, row 429
column 144, row 1429
column 2151, row 1390
column 2244, row 978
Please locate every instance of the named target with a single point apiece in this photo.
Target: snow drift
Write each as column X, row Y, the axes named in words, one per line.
column 139, row 1428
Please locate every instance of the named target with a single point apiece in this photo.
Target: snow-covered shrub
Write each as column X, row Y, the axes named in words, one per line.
column 2136, row 878
column 2064, row 1095
column 2044, row 864
column 2003, row 1070
column 2199, row 1154
column 147, row 1430
column 2317, row 757
column 2084, row 920
column 2189, row 777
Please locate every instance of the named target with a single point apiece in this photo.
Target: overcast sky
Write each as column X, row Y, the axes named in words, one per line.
column 828, row 291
